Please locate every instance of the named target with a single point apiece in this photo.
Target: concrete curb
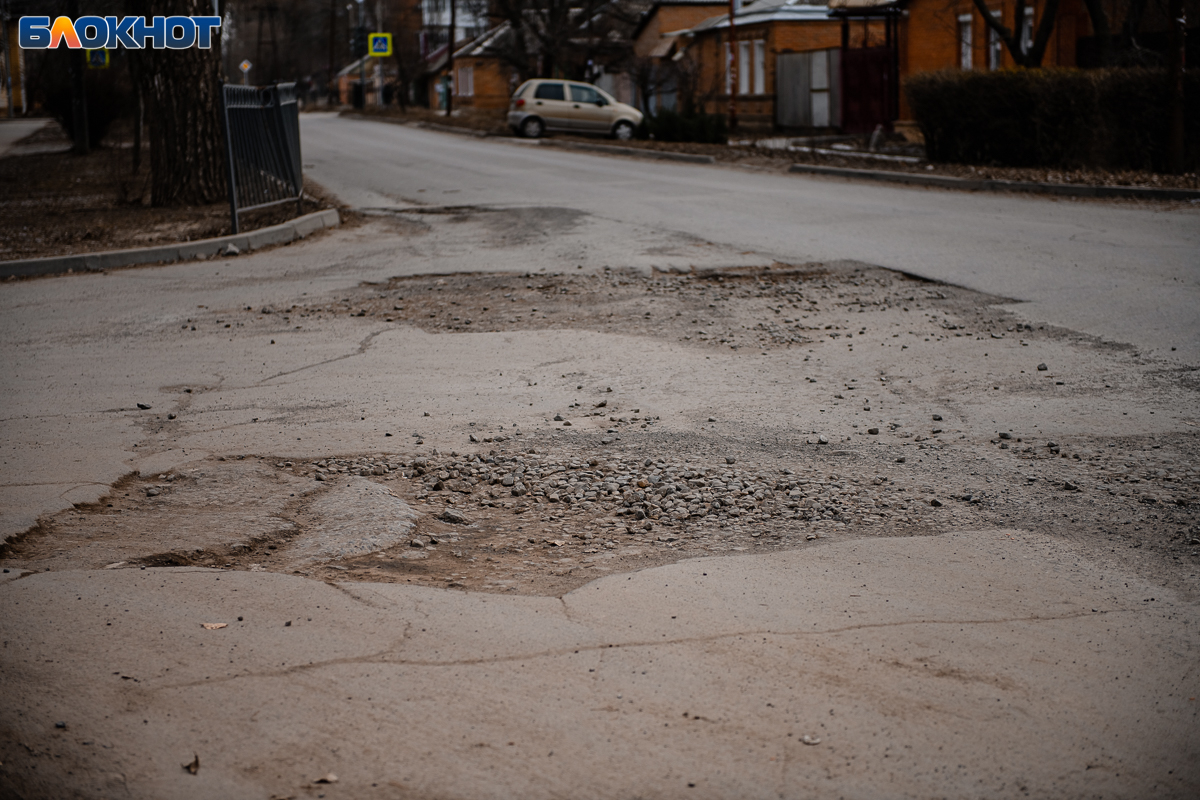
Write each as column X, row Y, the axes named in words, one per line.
column 617, row 150
column 431, row 126
column 966, row 184
column 635, row 152
column 92, row 262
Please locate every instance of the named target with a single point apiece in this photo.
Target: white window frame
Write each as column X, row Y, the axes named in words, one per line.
column 728, row 69
column 464, row 82
column 760, row 66
column 1027, row 30
column 966, row 53
column 745, row 73
column 995, row 49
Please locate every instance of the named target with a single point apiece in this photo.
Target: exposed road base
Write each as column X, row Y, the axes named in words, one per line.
column 182, row 251
column 965, row 184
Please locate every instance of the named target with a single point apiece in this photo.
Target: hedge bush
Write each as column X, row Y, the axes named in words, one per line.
column 671, row 126
column 1066, row 118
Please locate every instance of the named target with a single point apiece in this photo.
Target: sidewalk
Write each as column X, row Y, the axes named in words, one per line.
column 16, row 129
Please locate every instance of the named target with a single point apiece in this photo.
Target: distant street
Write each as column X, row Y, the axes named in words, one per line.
column 1123, row 271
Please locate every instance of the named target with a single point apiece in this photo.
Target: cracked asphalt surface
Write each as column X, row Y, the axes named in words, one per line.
column 481, row 501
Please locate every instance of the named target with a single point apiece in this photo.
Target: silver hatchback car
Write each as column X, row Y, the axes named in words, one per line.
column 545, row 105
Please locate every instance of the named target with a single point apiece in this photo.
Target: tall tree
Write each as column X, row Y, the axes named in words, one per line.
column 181, row 91
column 1025, row 54
column 555, row 35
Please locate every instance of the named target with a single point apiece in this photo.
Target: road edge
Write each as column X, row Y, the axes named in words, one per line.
column 587, row 147
column 981, row 185
column 283, row 233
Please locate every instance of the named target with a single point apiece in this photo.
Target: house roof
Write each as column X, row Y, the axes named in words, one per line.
column 650, row 12
column 767, row 11
column 353, row 66
column 663, row 46
column 864, row 8
column 479, row 47
column 483, row 45
column 861, row 4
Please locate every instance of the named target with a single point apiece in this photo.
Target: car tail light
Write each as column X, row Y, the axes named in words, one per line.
column 519, row 102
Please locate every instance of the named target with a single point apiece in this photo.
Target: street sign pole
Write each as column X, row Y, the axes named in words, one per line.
column 379, row 45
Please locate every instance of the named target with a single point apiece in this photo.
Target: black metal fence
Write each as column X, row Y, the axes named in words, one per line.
column 262, row 136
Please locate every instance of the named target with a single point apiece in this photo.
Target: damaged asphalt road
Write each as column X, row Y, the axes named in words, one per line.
column 488, row 521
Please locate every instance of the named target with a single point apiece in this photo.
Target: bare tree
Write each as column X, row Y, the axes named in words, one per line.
column 1025, row 54
column 550, row 37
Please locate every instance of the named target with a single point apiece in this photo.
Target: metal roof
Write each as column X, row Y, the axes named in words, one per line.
column 768, row 11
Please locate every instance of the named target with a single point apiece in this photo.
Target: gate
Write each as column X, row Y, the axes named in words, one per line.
column 808, row 89
column 867, row 88
column 262, row 139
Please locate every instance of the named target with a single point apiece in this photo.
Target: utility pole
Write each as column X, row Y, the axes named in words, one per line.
column 1176, row 39
column 450, row 59
column 733, row 66
column 361, row 35
column 329, row 81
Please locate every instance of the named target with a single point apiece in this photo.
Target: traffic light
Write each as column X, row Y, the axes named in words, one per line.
column 358, row 45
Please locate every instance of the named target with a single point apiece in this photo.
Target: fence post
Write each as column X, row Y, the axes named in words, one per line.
column 262, row 143
column 233, row 210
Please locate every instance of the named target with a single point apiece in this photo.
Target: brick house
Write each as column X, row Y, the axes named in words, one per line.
column 789, row 63
column 949, row 34
column 482, row 79
column 654, row 44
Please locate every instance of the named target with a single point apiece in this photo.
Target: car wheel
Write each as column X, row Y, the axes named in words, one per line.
column 623, row 131
column 532, row 128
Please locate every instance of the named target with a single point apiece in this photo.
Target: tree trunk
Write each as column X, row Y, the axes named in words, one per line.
column 1175, row 133
column 181, row 91
column 1100, row 29
column 1012, row 38
column 78, row 93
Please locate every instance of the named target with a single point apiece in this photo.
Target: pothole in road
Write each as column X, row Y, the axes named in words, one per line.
column 546, row 519
column 864, row 337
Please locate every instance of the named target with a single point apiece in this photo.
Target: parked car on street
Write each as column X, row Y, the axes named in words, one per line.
column 539, row 106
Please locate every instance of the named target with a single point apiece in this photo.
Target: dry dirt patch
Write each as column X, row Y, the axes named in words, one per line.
column 57, row 204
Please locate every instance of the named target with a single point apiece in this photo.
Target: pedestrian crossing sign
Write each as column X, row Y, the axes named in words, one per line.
column 97, row 59
column 379, row 44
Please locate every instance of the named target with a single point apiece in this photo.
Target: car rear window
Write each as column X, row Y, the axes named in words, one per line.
column 550, row 91
column 521, row 89
column 584, row 94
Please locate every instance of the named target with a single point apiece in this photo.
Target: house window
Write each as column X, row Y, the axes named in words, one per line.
column 760, row 67
column 1027, row 31
column 964, row 41
column 464, row 82
column 744, row 71
column 728, row 69
column 995, row 49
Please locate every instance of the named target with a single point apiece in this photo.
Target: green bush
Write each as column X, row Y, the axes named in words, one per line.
column 1066, row 118
column 671, row 126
